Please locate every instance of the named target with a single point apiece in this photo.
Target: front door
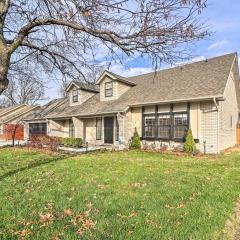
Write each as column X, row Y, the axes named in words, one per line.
column 108, row 129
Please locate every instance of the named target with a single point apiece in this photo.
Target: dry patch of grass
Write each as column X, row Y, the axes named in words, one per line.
column 232, row 228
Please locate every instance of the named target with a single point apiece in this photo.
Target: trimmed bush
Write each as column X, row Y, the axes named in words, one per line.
column 189, row 145
column 71, row 142
column 135, row 141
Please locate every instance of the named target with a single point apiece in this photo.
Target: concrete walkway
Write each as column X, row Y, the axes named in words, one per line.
column 80, row 150
column 9, row 143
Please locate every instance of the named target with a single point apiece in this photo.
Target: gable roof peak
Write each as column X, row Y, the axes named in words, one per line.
column 114, row 76
column 85, row 86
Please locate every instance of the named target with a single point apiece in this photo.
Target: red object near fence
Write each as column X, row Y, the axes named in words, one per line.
column 10, row 130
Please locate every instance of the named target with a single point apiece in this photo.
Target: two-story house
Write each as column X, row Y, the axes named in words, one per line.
column 161, row 106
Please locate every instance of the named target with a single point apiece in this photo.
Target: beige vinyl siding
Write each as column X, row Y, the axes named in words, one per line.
column 228, row 111
column 90, row 131
column 128, row 127
column 136, row 119
column 122, row 88
column 78, row 125
column 149, row 109
column 83, row 96
column 102, row 89
column 209, row 128
column 128, row 122
column 165, row 108
column 179, row 107
column 119, row 88
column 195, row 119
column 71, row 96
column 58, row 128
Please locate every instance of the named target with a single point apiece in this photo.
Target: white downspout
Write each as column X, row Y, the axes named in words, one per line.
column 120, row 114
column 215, row 102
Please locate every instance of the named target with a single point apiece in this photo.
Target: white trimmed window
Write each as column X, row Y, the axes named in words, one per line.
column 108, row 89
column 75, row 96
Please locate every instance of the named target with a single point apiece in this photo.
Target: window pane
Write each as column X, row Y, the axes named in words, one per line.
column 37, row 128
column 108, row 89
column 180, row 125
column 149, row 126
column 164, row 126
column 99, row 129
column 75, row 95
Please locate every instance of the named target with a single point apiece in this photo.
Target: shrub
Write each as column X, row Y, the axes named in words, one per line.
column 189, row 145
column 135, row 141
column 71, row 142
column 44, row 141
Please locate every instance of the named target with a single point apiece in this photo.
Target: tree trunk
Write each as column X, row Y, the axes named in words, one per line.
column 4, row 65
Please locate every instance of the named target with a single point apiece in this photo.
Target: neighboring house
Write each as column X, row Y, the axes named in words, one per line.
column 36, row 122
column 161, row 106
column 11, row 121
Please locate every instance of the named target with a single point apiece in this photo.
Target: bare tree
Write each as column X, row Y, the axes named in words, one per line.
column 4, row 102
column 24, row 88
column 64, row 37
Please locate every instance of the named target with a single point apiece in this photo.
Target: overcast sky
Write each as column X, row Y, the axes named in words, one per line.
column 223, row 18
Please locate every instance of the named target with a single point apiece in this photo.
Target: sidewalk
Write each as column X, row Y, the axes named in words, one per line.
column 9, row 143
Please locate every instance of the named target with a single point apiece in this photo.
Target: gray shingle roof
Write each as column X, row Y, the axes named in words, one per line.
column 87, row 86
column 197, row 80
column 121, row 78
column 42, row 111
column 19, row 115
column 11, row 108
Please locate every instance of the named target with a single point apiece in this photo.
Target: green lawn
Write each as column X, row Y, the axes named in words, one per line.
column 121, row 195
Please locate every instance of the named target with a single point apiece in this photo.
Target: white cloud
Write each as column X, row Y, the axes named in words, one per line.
column 131, row 71
column 218, row 45
column 196, row 59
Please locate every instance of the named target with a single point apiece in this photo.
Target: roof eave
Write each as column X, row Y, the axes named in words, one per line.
column 206, row 98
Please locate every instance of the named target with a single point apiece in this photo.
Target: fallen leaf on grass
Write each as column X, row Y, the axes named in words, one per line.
column 67, row 212
column 87, row 224
column 46, row 219
column 178, row 223
column 180, row 205
column 22, row 234
column 133, row 214
column 28, row 190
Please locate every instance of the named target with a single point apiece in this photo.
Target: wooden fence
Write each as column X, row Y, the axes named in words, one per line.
column 238, row 134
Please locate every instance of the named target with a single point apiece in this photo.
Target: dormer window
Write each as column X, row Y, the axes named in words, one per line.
column 108, row 89
column 75, row 96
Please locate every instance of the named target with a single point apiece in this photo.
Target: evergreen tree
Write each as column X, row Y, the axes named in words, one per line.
column 135, row 143
column 189, row 145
